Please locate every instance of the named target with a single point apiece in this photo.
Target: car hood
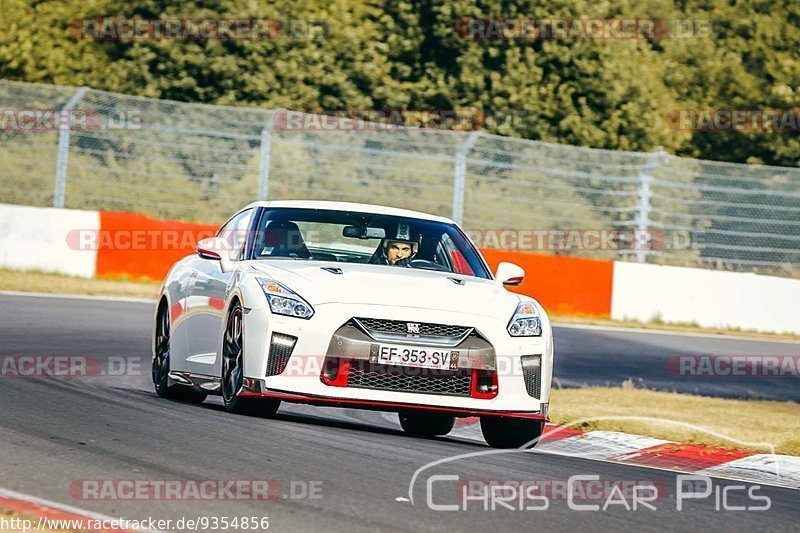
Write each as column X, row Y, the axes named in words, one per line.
column 391, row 286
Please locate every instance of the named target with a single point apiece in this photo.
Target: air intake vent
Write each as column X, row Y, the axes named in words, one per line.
column 532, row 372
column 366, row 375
column 280, row 350
column 375, row 325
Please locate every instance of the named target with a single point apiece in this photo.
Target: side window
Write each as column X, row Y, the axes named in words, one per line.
column 456, row 258
column 235, row 232
column 441, row 256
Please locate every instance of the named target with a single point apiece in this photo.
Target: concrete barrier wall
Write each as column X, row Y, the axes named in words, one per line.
column 34, row 238
column 710, row 298
column 109, row 244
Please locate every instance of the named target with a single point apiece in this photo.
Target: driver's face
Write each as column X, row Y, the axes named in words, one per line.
column 396, row 251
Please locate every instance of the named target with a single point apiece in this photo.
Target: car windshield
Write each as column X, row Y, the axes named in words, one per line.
column 357, row 237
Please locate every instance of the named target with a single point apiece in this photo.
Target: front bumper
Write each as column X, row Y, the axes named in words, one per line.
column 256, row 389
column 319, row 338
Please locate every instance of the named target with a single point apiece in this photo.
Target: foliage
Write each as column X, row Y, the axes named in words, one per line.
column 381, row 54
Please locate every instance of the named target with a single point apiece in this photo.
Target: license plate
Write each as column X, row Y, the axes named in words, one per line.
column 401, row 355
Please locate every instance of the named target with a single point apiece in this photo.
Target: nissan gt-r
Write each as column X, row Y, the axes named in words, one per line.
column 358, row 306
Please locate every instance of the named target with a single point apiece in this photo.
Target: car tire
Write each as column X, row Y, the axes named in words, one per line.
column 233, row 370
column 426, row 424
column 161, row 362
column 500, row 432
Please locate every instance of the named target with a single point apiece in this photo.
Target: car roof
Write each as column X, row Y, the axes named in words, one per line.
column 351, row 206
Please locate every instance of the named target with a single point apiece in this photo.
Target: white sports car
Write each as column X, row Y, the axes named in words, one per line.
column 358, row 306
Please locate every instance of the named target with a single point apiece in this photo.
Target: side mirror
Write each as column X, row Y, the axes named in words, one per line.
column 509, row 274
column 213, row 248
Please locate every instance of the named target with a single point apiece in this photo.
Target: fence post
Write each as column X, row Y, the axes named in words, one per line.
column 266, row 149
column 64, row 126
column 460, row 176
column 642, row 238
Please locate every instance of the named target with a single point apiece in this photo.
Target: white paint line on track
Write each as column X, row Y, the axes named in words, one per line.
column 60, row 296
column 83, row 513
column 718, row 336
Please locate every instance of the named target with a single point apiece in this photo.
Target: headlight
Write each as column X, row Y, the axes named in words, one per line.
column 284, row 301
column 526, row 321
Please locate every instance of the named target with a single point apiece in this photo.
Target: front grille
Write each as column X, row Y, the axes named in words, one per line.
column 280, row 350
column 532, row 372
column 425, row 329
column 366, row 375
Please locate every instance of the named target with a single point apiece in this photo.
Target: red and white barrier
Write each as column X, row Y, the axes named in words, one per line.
column 141, row 247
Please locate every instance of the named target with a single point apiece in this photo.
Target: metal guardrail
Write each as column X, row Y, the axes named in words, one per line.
column 199, row 162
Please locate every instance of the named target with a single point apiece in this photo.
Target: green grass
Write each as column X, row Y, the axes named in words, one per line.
column 752, row 421
column 35, row 281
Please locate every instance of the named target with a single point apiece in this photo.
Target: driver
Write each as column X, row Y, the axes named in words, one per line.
column 398, row 250
column 398, row 253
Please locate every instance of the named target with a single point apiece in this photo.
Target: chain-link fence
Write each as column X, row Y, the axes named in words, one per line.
column 86, row 149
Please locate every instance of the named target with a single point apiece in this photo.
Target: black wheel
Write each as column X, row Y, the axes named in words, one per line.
column 426, row 424
column 502, row 432
column 160, row 367
column 233, row 370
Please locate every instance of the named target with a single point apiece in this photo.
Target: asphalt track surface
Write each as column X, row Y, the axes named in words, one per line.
column 55, row 432
column 605, row 356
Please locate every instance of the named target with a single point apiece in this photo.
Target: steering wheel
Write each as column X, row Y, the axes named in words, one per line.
column 427, row 265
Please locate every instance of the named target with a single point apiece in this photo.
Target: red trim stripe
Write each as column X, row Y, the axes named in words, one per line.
column 386, row 406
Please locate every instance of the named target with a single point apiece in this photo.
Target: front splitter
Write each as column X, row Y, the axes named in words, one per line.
column 375, row 405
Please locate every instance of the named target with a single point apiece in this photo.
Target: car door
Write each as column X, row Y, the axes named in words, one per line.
column 181, row 279
column 208, row 293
